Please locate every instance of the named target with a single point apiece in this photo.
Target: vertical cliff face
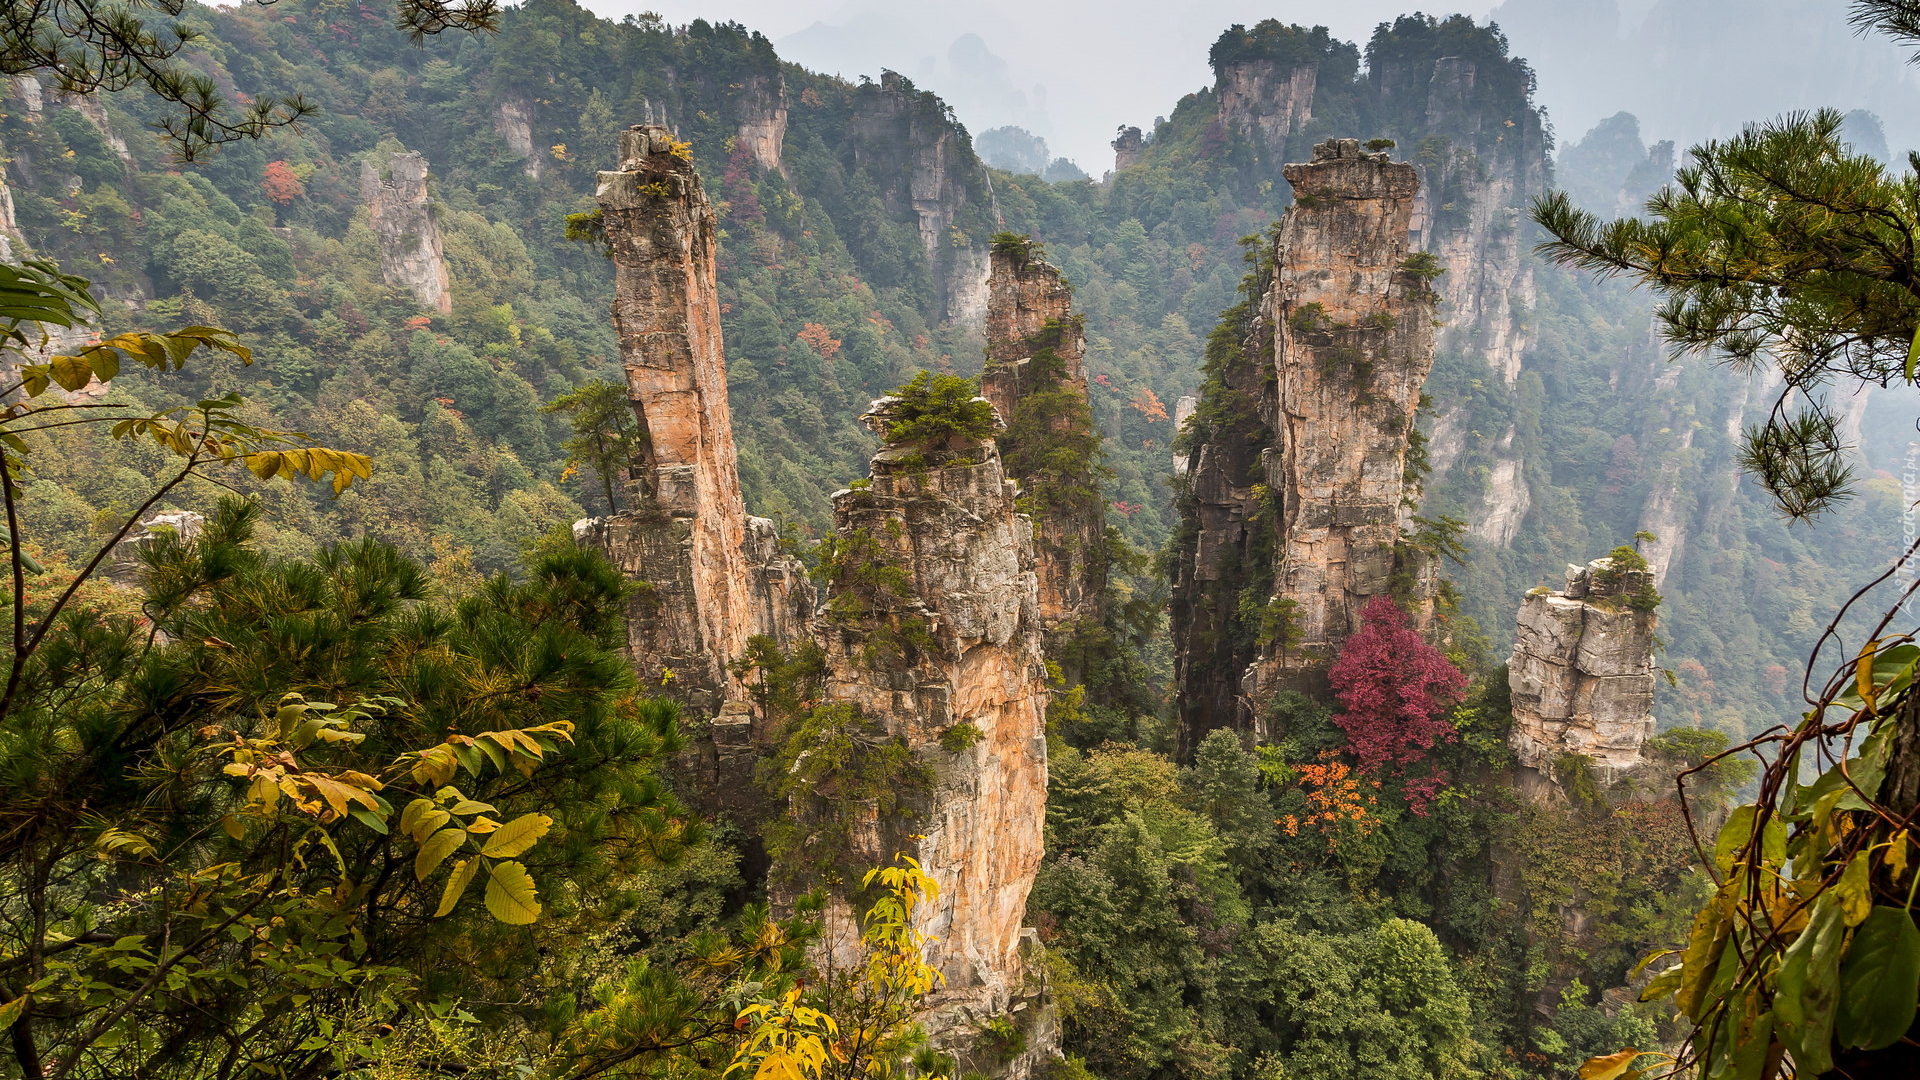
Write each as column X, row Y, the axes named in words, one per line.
column 958, row 645
column 401, row 214
column 1037, row 382
column 1266, row 100
column 513, row 122
column 923, row 162
column 1582, row 669
column 1483, row 166
column 1297, row 495
column 709, row 577
column 1468, row 123
column 763, row 119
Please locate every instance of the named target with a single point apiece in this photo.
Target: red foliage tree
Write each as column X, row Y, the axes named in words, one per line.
column 282, row 184
column 1394, row 691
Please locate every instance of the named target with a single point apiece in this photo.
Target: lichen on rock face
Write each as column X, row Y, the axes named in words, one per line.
column 1582, row 671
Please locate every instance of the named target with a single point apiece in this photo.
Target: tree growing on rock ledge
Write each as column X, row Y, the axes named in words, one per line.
column 1394, row 691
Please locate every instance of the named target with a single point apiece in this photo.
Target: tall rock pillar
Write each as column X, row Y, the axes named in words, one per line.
column 403, row 221
column 1037, row 380
column 1353, row 332
column 1298, row 489
column 1582, row 671
column 708, row 577
column 948, row 662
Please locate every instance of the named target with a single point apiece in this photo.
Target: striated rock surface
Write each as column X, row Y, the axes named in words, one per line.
column 1483, row 162
column 1266, row 100
column 923, row 163
column 945, row 518
column 1037, row 381
column 763, row 119
column 401, row 213
column 1582, row 670
column 710, row 577
column 1353, row 346
column 1298, row 488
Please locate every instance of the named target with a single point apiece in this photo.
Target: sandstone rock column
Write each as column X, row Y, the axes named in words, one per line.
column 1305, row 471
column 1354, row 343
column 1582, row 669
column 945, row 518
column 926, row 171
column 1037, row 380
column 403, row 221
column 709, row 576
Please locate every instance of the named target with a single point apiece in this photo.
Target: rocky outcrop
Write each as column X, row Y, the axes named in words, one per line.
column 1354, row 343
column 127, row 565
column 957, row 649
column 763, row 119
column 1266, row 100
column 923, row 163
column 1582, row 670
column 1294, row 515
column 1037, row 382
column 513, row 122
column 708, row 577
column 1483, row 160
column 1127, row 147
column 401, row 214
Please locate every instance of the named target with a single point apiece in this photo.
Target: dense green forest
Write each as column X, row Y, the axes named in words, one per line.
column 1257, row 912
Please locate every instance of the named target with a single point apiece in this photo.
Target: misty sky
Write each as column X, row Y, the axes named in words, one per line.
column 1073, row 70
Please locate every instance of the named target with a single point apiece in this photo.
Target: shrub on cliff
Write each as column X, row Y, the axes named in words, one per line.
column 1394, row 690
column 935, row 410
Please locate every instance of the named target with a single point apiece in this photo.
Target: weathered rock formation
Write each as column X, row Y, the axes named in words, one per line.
column 1484, row 162
column 1266, row 100
column 1037, row 382
column 1582, row 670
column 401, row 214
column 945, row 518
column 513, row 122
column 710, row 577
column 924, row 164
column 763, row 119
column 1298, row 488
column 1127, row 147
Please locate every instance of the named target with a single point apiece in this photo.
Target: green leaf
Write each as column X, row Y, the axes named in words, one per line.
column 1913, row 355
column 517, row 836
column 1865, row 771
column 510, row 895
column 1880, row 980
column 1891, row 670
column 11, row 1011
column 457, row 883
column 435, row 851
column 1807, row 990
column 1702, row 957
column 371, row 820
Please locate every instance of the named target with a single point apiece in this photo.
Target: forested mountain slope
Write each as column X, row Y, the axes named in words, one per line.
column 1251, row 910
